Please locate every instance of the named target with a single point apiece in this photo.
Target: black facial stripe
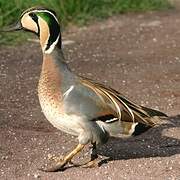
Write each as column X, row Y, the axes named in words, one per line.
column 54, row 32
column 35, row 19
column 38, row 33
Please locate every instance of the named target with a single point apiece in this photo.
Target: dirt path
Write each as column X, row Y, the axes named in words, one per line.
column 137, row 54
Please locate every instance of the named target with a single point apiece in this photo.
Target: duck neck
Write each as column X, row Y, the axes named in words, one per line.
column 54, row 66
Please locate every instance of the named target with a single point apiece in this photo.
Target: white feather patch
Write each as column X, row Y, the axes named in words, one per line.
column 51, row 48
column 111, row 120
column 65, row 95
column 132, row 128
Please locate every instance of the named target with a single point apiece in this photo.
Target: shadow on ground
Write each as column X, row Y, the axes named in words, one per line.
column 154, row 143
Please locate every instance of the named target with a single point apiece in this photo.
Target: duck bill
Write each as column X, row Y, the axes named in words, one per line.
column 13, row 27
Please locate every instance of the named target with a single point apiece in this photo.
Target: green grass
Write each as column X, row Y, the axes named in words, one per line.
column 78, row 12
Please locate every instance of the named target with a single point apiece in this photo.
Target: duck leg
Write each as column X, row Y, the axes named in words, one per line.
column 59, row 163
column 93, row 161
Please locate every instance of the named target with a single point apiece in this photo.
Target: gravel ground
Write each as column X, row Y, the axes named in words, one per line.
column 137, row 54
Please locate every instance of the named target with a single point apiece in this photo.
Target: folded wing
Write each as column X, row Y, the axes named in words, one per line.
column 134, row 119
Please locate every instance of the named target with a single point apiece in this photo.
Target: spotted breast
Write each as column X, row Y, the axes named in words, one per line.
column 51, row 98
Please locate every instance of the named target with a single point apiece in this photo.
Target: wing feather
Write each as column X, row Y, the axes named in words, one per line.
column 123, row 106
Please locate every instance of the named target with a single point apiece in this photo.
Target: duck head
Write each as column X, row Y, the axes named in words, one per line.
column 42, row 22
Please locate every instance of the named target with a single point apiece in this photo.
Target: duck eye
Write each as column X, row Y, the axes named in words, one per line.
column 33, row 16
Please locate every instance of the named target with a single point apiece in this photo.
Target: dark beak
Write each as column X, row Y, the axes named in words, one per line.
column 13, row 27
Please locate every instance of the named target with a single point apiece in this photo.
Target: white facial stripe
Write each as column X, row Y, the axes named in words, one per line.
column 51, row 48
column 47, row 12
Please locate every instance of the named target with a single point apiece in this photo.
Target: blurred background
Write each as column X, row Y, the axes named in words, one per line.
column 78, row 12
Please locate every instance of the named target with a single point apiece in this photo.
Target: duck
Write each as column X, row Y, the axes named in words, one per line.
column 76, row 105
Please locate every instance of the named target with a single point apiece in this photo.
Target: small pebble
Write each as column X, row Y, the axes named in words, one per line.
column 36, row 176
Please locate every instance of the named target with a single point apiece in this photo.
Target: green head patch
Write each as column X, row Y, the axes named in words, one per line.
column 52, row 22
